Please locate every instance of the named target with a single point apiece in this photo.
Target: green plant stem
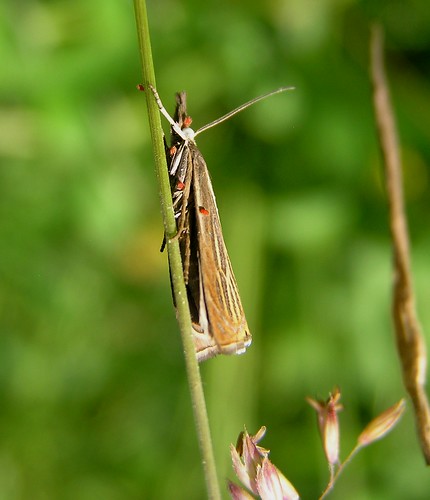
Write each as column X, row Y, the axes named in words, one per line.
column 182, row 308
column 335, row 475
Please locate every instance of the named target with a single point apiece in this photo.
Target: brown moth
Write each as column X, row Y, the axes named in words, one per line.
column 218, row 321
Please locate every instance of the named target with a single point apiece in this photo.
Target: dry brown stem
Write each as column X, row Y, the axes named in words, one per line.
column 410, row 342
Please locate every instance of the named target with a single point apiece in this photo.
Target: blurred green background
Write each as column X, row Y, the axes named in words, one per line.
column 94, row 402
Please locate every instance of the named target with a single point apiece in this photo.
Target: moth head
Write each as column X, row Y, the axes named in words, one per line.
column 188, row 133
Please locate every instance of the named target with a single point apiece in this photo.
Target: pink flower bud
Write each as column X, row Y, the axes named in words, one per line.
column 255, row 471
column 272, row 484
column 238, row 493
column 328, row 424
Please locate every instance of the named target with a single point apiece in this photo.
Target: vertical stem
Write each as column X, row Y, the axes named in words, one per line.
column 183, row 312
column 411, row 343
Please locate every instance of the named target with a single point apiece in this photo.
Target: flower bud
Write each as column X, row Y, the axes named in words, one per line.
column 382, row 424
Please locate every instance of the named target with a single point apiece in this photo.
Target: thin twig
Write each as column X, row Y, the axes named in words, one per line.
column 410, row 342
column 182, row 308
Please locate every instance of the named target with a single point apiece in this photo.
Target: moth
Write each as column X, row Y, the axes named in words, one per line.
column 219, row 324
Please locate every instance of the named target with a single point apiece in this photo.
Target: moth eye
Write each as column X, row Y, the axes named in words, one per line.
column 172, row 150
column 180, row 186
column 203, row 211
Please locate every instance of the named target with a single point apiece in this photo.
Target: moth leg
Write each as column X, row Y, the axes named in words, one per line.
column 182, row 221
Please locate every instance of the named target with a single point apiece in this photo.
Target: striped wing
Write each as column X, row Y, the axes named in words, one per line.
column 222, row 315
column 181, row 170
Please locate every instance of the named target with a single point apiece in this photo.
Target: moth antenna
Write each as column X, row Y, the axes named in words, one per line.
column 164, row 112
column 240, row 108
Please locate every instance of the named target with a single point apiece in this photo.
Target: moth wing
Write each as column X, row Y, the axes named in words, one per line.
column 181, row 169
column 225, row 317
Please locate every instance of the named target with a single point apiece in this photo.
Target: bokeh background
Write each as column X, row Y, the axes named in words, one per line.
column 93, row 398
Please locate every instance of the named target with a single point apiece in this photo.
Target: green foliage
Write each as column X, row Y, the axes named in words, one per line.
column 93, row 401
